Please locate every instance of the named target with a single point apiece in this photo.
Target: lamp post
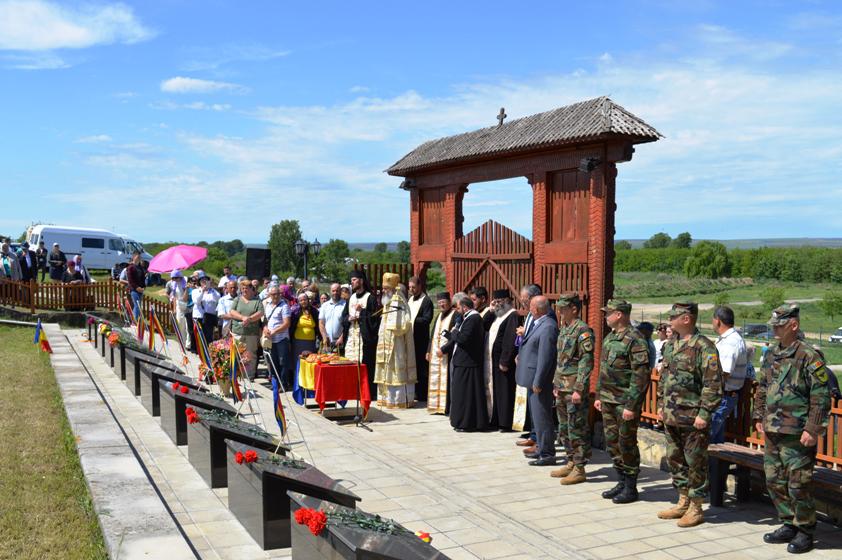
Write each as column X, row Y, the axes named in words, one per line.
column 303, row 248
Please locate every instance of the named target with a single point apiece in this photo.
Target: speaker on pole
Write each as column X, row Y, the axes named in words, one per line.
column 258, row 263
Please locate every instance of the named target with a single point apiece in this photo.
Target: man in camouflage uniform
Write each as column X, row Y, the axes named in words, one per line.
column 690, row 392
column 621, row 387
column 791, row 408
column 571, row 387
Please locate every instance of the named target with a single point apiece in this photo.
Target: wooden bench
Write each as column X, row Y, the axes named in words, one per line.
column 827, row 483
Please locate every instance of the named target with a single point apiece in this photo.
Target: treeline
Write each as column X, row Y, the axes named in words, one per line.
column 710, row 259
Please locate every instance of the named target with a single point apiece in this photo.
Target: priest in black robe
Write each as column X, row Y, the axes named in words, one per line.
column 360, row 323
column 500, row 357
column 468, row 406
column 421, row 311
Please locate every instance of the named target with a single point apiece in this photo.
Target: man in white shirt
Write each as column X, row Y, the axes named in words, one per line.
column 224, row 306
column 177, row 292
column 330, row 317
column 226, row 277
column 733, row 358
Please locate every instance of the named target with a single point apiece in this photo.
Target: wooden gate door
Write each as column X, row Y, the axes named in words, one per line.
column 492, row 256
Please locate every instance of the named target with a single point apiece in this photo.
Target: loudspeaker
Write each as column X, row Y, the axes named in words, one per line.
column 258, row 263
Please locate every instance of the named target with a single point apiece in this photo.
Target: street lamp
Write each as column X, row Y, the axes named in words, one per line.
column 303, row 248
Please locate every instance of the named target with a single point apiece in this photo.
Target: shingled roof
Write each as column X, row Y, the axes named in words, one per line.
column 594, row 119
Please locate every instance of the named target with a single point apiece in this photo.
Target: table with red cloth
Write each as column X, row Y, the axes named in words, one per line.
column 339, row 383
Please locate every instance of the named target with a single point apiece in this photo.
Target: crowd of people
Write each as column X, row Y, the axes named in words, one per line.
column 26, row 264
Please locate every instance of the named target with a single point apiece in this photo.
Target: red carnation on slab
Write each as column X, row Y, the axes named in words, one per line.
column 302, row 515
column 176, row 385
column 317, row 522
column 184, row 389
column 251, row 456
column 239, row 458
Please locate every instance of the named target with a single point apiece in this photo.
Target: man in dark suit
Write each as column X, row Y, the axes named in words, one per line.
column 535, row 369
column 468, row 412
column 28, row 263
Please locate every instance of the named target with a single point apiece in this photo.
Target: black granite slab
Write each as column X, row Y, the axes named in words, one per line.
column 111, row 356
column 207, row 452
column 103, row 343
column 173, row 403
column 257, row 494
column 150, row 394
column 134, row 376
column 344, row 542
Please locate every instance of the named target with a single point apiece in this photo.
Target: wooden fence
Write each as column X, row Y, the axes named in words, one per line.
column 108, row 295
column 375, row 271
column 740, row 427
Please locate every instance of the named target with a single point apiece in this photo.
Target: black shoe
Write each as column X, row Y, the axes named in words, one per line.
column 782, row 534
column 608, row 494
column 801, row 543
column 546, row 461
column 629, row 492
column 534, row 455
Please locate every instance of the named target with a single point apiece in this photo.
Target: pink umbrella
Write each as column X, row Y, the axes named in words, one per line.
column 179, row 256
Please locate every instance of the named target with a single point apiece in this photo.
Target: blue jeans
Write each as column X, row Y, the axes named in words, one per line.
column 136, row 297
column 717, row 420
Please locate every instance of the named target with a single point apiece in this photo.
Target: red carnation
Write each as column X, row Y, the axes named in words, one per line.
column 251, row 456
column 302, row 515
column 176, row 385
column 317, row 522
column 239, row 458
column 184, row 389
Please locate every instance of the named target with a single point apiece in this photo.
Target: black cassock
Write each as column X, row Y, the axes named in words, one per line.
column 421, row 337
column 468, row 407
column 503, row 352
column 369, row 327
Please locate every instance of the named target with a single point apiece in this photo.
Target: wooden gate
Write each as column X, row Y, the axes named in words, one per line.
column 492, row 256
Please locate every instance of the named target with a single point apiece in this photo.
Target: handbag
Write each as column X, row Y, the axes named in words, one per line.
column 266, row 341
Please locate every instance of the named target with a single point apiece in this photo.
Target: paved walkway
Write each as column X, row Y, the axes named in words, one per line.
column 474, row 493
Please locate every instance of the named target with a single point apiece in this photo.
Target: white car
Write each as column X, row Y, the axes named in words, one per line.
column 836, row 338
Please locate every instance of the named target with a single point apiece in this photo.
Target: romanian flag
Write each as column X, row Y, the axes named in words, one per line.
column 41, row 338
column 155, row 327
column 280, row 417
column 141, row 328
column 129, row 313
column 202, row 343
column 235, row 363
column 177, row 331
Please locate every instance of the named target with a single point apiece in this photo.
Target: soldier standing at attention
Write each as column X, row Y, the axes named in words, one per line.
column 621, row 387
column 791, row 409
column 571, row 386
column 690, row 392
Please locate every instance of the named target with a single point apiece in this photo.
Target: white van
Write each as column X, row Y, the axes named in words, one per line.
column 100, row 249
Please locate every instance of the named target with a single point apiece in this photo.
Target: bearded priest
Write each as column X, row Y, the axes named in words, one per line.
column 396, row 371
column 500, row 353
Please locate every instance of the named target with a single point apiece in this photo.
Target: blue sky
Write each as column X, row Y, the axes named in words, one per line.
column 191, row 120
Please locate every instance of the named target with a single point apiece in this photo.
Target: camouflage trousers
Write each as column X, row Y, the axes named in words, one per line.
column 621, row 438
column 788, row 466
column 573, row 430
column 687, row 457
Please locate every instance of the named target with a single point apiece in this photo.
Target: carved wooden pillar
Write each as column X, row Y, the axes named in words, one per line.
column 415, row 226
column 452, row 220
column 538, row 181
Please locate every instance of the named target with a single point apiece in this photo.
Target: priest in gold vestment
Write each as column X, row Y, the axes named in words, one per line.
column 395, row 372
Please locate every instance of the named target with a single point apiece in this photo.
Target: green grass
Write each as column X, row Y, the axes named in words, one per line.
column 45, row 507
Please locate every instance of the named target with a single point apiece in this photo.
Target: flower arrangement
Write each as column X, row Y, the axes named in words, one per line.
column 91, row 320
column 114, row 338
column 104, row 328
column 192, row 416
column 220, row 353
column 317, row 520
column 249, row 456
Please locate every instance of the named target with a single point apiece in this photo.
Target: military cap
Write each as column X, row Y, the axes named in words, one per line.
column 568, row 299
column 620, row 305
column 782, row 314
column 501, row 294
column 681, row 307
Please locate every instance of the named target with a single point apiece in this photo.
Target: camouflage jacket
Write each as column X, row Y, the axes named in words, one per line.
column 793, row 394
column 575, row 357
column 691, row 380
column 624, row 369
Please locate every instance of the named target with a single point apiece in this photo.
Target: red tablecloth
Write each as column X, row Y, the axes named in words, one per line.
column 339, row 383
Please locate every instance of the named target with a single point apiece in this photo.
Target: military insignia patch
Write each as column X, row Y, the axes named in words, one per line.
column 817, row 368
column 713, row 360
column 587, row 344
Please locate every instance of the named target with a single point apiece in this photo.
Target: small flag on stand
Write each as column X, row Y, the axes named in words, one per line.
column 280, row 417
column 141, row 328
column 155, row 326
column 178, row 334
column 235, row 364
column 41, row 338
column 202, row 342
column 129, row 313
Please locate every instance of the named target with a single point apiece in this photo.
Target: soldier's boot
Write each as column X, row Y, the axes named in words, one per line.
column 563, row 471
column 621, row 483
column 575, row 476
column 629, row 492
column 678, row 510
column 782, row 534
column 694, row 515
column 801, row 543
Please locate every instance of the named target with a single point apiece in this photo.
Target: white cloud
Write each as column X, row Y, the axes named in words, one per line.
column 181, row 84
column 37, row 25
column 94, row 139
column 34, row 61
column 358, row 89
column 194, row 106
column 204, row 59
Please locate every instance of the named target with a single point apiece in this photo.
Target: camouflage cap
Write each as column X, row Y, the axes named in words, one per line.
column 681, row 307
column 570, row 298
column 618, row 305
column 782, row 314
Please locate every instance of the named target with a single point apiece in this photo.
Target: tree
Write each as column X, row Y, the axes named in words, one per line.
column 282, row 238
column 658, row 241
column 772, row 297
column 330, row 263
column 22, row 237
column 721, row 298
column 708, row 259
column 682, row 240
column 622, row 245
column 403, row 251
column 831, row 304
column 381, row 248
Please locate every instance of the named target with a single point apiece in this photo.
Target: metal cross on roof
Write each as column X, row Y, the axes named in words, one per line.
column 501, row 116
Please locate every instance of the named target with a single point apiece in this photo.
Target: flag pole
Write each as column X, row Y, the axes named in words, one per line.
column 294, row 415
